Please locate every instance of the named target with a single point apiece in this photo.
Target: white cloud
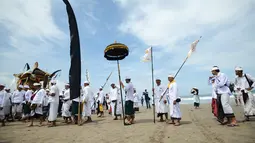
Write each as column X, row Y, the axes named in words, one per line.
column 171, row 26
column 32, row 32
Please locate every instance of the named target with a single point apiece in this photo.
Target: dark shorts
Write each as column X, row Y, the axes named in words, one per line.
column 36, row 116
column 196, row 104
column 74, row 107
column 129, row 108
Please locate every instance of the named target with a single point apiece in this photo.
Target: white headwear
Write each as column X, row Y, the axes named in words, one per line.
column 215, row 68
column 20, row 86
column 127, row 77
column 2, row 85
column 36, row 84
column 101, row 87
column 158, row 79
column 86, row 82
column 170, row 75
column 238, row 69
column 53, row 81
column 26, row 86
column 47, row 90
column 67, row 84
column 6, row 88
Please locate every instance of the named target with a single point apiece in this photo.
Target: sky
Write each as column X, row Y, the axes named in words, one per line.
column 37, row 31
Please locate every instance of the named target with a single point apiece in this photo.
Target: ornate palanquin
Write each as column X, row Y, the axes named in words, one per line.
column 31, row 76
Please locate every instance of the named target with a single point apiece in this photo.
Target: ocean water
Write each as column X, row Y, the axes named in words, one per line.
column 204, row 99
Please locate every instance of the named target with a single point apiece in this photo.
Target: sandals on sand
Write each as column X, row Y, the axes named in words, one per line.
column 232, row 125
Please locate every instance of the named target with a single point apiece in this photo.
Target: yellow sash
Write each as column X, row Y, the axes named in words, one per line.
column 170, row 83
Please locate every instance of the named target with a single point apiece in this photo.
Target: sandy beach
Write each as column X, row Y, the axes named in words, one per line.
column 198, row 126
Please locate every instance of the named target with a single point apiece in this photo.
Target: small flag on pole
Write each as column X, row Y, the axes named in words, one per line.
column 147, row 56
column 192, row 48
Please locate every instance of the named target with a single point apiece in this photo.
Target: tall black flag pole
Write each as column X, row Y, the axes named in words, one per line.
column 152, row 83
column 75, row 54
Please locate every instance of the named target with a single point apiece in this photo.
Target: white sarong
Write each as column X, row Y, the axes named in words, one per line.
column 17, row 109
column 118, row 108
column 175, row 111
column 53, row 112
column 225, row 101
column 249, row 107
column 86, row 111
column 66, row 109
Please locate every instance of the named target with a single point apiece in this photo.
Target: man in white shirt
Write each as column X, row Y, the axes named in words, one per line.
column 37, row 104
column 100, row 100
column 2, row 96
column 27, row 102
column 136, row 101
column 17, row 100
column 54, row 101
column 214, row 106
column 129, row 103
column 66, row 114
column 87, row 95
column 223, row 97
column 160, row 105
column 115, row 98
column 244, row 84
column 174, row 105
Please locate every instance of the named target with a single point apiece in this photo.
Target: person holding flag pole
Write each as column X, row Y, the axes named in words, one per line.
column 146, row 58
column 172, row 90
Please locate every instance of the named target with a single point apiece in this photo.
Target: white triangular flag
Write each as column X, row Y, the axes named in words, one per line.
column 147, row 56
column 193, row 47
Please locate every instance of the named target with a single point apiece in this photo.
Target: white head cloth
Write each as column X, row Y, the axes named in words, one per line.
column 6, row 88
column 100, row 87
column 2, row 85
column 86, row 82
column 26, row 86
column 127, row 77
column 67, row 84
column 238, row 69
column 20, row 86
column 36, row 84
column 53, row 81
column 170, row 75
column 215, row 68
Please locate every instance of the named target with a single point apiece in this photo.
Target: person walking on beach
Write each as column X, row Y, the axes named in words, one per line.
column 175, row 111
column 2, row 100
column 142, row 100
column 129, row 103
column 214, row 106
column 196, row 98
column 147, row 99
column 17, row 99
column 66, row 114
column 87, row 94
column 244, row 84
column 27, row 103
column 100, row 100
column 115, row 101
column 160, row 105
column 37, row 104
column 136, row 101
column 223, row 97
column 54, row 101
